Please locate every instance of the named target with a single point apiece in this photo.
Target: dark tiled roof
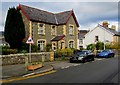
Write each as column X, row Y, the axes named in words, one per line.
column 82, row 33
column 38, row 15
column 63, row 17
column 57, row 38
column 46, row 17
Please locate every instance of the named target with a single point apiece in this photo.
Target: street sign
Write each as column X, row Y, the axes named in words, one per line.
column 29, row 41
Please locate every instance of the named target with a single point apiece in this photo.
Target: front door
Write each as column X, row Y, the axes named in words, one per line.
column 62, row 45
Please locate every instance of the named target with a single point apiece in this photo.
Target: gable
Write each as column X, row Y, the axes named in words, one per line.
column 38, row 15
column 97, row 30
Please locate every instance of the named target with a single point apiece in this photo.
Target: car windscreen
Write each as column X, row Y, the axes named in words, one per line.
column 81, row 53
column 105, row 51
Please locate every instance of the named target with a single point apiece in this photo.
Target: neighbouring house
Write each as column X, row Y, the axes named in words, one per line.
column 2, row 39
column 102, row 33
column 81, row 37
column 58, row 29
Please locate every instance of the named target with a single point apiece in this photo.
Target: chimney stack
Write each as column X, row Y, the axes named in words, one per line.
column 113, row 27
column 105, row 24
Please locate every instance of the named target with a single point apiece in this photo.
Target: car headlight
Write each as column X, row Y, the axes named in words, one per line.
column 80, row 58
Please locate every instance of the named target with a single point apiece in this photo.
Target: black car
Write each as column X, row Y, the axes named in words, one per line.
column 82, row 56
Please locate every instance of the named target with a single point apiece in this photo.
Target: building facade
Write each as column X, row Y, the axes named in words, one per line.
column 103, row 34
column 81, row 37
column 58, row 29
column 2, row 39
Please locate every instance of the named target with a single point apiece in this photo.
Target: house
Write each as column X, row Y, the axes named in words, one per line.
column 102, row 33
column 81, row 36
column 58, row 29
column 2, row 39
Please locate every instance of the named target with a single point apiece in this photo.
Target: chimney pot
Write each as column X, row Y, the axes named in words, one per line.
column 113, row 27
column 105, row 24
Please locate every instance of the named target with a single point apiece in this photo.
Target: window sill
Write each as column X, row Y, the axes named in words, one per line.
column 71, row 34
column 42, row 34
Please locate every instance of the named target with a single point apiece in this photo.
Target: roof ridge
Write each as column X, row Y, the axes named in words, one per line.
column 108, row 29
column 56, row 19
column 37, row 9
column 63, row 12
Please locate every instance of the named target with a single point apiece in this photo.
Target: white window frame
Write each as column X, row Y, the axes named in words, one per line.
column 54, row 45
column 41, row 28
column 71, row 32
column 42, row 45
column 81, row 41
column 71, row 45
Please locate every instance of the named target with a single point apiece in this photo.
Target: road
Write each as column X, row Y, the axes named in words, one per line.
column 101, row 71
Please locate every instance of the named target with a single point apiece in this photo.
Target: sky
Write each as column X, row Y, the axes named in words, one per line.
column 88, row 14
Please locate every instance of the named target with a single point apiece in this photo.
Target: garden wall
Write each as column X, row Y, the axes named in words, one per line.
column 22, row 58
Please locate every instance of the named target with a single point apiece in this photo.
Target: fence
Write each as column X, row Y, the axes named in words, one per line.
column 21, row 58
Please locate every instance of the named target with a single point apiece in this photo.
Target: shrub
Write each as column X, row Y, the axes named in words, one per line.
column 64, row 52
column 48, row 47
column 91, row 47
column 34, row 48
column 9, row 51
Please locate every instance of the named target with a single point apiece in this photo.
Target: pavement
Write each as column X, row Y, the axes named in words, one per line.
column 19, row 70
column 14, row 71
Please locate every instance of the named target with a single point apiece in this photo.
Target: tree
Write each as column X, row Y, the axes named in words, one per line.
column 91, row 47
column 14, row 28
column 99, row 46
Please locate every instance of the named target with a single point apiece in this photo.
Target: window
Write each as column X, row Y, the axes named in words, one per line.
column 53, row 30
column 71, row 30
column 41, row 45
column 81, row 41
column 54, row 46
column 62, row 45
column 41, row 28
column 71, row 44
column 96, row 38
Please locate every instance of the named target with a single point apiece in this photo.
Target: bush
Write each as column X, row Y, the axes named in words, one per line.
column 91, row 47
column 48, row 47
column 25, row 48
column 64, row 53
column 34, row 48
column 9, row 51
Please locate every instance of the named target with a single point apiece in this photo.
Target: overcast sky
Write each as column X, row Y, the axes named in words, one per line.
column 89, row 14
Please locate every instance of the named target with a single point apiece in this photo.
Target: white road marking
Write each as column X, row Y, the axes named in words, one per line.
column 76, row 64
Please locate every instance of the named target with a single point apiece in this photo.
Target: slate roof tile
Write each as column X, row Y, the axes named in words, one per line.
column 47, row 17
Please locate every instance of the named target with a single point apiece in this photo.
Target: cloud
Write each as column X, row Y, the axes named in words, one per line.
column 87, row 13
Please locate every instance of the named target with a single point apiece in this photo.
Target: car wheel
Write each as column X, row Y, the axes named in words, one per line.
column 113, row 55
column 71, row 61
column 110, row 55
column 93, row 59
column 83, row 61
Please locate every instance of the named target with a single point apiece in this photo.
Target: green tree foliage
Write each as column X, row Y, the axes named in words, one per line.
column 91, row 47
column 99, row 46
column 48, row 47
column 14, row 28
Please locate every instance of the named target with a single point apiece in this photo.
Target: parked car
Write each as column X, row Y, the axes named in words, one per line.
column 106, row 54
column 82, row 56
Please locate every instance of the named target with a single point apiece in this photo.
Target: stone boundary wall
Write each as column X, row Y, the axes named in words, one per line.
column 22, row 58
